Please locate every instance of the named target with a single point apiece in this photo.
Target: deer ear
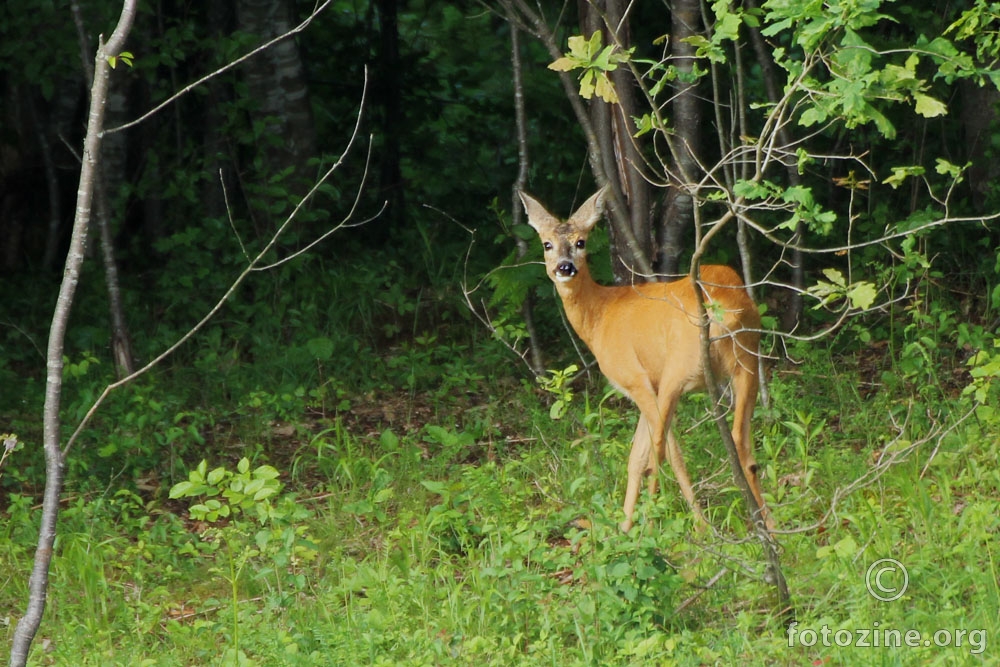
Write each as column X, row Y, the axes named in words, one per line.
column 538, row 217
column 590, row 211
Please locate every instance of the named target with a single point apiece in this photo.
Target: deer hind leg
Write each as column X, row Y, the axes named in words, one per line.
column 657, row 454
column 745, row 397
column 676, row 459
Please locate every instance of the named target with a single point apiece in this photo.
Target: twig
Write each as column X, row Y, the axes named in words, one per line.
column 704, row 589
column 251, row 267
column 208, row 77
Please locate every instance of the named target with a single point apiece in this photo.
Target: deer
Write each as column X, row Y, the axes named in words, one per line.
column 646, row 338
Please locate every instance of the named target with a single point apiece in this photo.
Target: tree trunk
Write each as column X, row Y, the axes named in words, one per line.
column 979, row 116
column 218, row 152
column 121, row 341
column 627, row 243
column 620, row 155
column 790, row 311
column 678, row 214
column 111, row 169
column 276, row 80
column 51, row 185
column 516, row 211
column 389, row 98
column 38, row 584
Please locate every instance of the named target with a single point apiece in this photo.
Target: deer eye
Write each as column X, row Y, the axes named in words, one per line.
column 547, row 245
column 581, row 244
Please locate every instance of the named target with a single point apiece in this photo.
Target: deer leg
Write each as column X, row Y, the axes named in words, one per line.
column 668, row 404
column 676, row 459
column 657, row 454
column 745, row 397
column 638, row 463
column 646, row 443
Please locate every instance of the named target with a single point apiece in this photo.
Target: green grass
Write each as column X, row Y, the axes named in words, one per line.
column 421, row 528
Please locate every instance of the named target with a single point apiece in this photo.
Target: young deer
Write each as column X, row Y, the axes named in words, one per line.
column 647, row 342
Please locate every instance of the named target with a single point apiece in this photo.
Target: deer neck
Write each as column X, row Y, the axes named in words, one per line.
column 583, row 300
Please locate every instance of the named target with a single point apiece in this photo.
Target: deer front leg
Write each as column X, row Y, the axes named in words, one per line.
column 638, row 462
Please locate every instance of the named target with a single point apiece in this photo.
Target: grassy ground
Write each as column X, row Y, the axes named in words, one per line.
column 423, row 526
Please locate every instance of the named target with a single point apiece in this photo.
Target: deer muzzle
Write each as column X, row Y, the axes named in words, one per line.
column 565, row 271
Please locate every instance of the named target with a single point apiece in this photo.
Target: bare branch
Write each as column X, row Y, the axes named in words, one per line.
column 250, row 268
column 208, row 77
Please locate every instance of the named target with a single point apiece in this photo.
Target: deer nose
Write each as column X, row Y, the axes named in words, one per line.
column 566, row 269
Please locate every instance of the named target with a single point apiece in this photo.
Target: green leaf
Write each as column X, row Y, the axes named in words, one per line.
column 928, row 107
column 254, row 486
column 835, row 277
column 846, row 547
column 578, row 47
column 728, row 27
column 565, row 64
column 389, row 441
column 697, row 41
column 812, row 116
column 180, row 489
column 862, row 295
column 264, row 493
column 320, row 348
column 215, row 476
column 266, row 472
column 946, row 168
column 603, row 60
column 900, row 174
column 198, row 511
column 884, row 126
column 587, row 85
column 439, row 488
column 594, row 45
column 605, row 89
column 755, row 190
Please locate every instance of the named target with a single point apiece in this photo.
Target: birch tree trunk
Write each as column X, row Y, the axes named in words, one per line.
column 276, row 80
column 38, row 583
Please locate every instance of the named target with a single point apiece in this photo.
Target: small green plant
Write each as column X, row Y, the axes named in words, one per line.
column 559, row 384
column 261, row 530
column 984, row 367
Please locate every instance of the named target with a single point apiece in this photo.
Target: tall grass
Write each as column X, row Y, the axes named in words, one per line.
column 493, row 540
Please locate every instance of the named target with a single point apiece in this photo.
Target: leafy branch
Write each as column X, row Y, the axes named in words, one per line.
column 596, row 61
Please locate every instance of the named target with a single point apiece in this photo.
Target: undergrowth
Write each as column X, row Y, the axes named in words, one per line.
column 391, row 498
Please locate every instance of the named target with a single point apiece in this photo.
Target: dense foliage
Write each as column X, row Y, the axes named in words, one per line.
column 349, row 464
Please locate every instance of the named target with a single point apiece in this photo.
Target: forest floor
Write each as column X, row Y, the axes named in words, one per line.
column 456, row 522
